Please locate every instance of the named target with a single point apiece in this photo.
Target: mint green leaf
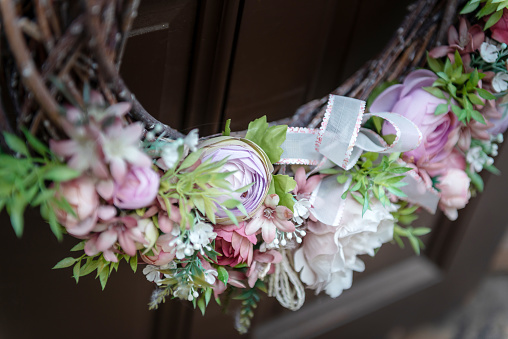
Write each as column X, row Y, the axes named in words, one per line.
column 415, row 244
column 478, row 117
column 103, row 277
column 485, row 94
column 421, row 231
column 16, row 144
column 208, row 295
column 16, row 208
column 227, row 128
column 435, row 92
column 268, row 138
column 342, row 178
column 396, row 192
column 60, row 173
column 202, row 306
column 476, row 180
column 54, row 225
column 491, row 169
column 190, row 159
column 441, row 109
column 134, row 263
column 76, row 271
column 67, row 262
column 222, row 274
column 330, row 171
column 284, row 184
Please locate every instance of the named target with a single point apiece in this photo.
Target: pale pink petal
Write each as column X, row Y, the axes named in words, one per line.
column 106, row 240
column 119, row 109
column 272, row 200
column 268, row 232
column 106, row 188
column 106, row 212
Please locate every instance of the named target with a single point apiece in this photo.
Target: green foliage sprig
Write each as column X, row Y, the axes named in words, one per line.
column 269, row 138
column 25, row 180
column 199, row 188
column 250, row 298
column 84, row 264
column 494, row 8
column 463, row 87
column 405, row 215
column 378, row 179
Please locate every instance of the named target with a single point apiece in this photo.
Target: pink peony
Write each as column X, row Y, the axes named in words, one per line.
column 164, row 253
column 410, row 100
column 138, row 190
column 269, row 218
column 500, row 29
column 466, row 40
column 235, row 246
column 80, row 193
column 454, row 187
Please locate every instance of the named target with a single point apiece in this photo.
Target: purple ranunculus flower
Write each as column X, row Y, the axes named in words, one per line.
column 138, row 189
column 249, row 164
column 440, row 132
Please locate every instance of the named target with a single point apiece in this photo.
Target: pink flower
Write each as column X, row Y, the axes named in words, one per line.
column 500, row 29
column 138, row 189
column 465, row 41
column 262, row 265
column 80, row 193
column 455, row 160
column 454, row 186
column 125, row 230
column 164, row 253
column 235, row 279
column 269, row 218
column 121, row 147
column 305, row 186
column 440, row 132
column 235, row 246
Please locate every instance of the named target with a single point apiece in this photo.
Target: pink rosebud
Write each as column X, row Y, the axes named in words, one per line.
column 138, row 190
column 235, row 246
column 164, row 253
column 454, row 186
column 80, row 193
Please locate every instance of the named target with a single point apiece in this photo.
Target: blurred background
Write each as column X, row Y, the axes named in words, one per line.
column 197, row 63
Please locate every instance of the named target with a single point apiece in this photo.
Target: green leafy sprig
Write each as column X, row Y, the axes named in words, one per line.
column 463, row 87
column 405, row 215
column 250, row 298
column 199, row 188
column 269, row 138
column 494, row 8
column 25, row 181
column 84, row 264
column 369, row 179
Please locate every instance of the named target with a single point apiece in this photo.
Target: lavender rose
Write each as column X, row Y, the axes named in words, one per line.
column 249, row 164
column 440, row 132
column 138, row 189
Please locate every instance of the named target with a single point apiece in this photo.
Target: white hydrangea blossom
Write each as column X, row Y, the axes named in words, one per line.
column 477, row 158
column 201, row 235
column 302, row 209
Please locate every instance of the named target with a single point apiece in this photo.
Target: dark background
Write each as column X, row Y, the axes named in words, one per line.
column 196, row 64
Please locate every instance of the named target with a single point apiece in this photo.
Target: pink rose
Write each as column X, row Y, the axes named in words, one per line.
column 235, row 246
column 138, row 189
column 80, row 193
column 454, row 187
column 413, row 102
column 500, row 29
column 163, row 252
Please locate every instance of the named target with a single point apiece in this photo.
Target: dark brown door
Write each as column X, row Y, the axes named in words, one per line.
column 196, row 64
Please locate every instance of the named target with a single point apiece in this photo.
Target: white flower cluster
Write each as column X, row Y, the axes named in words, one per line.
column 480, row 156
column 197, row 239
column 169, row 152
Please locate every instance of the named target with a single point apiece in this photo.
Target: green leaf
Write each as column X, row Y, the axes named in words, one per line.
column 16, row 144
column 54, row 225
column 134, row 263
column 268, row 138
column 66, row 262
column 76, row 271
column 435, row 92
column 103, row 277
column 208, row 295
column 421, row 231
column 434, row 64
column 222, row 274
column 475, row 99
column 16, row 208
column 227, row 128
column 284, row 184
column 485, row 94
column 476, row 180
column 342, row 178
column 441, row 109
column 35, row 143
column 478, row 117
column 471, row 6
column 396, row 192
column 201, row 305
column 190, row 159
column 78, row 247
column 60, row 173
column 330, row 171
column 415, row 244
column 89, row 267
column 494, row 18
column 43, row 196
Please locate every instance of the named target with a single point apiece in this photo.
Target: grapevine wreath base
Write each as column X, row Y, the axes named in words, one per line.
column 278, row 208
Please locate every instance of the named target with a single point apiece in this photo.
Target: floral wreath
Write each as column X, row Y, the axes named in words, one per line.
column 272, row 209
